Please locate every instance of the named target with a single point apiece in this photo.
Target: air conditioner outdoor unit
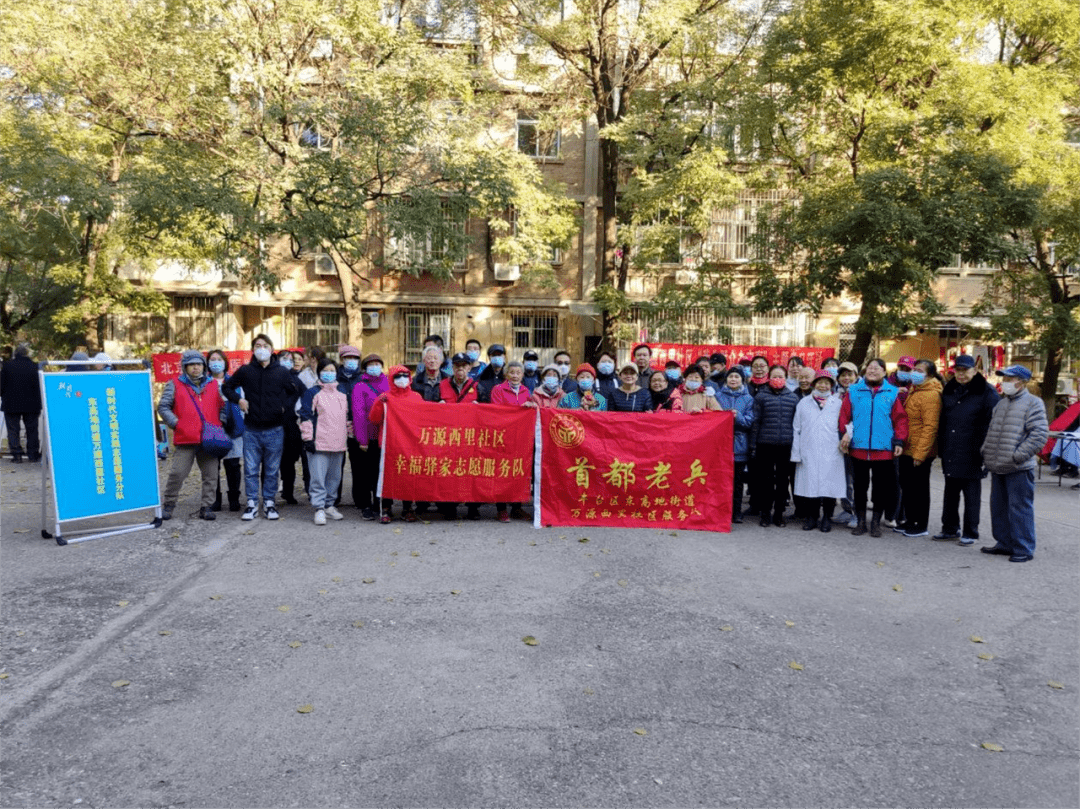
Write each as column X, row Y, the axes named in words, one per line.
column 324, row 264
column 1066, row 387
column 369, row 320
column 1024, row 349
column 507, row 272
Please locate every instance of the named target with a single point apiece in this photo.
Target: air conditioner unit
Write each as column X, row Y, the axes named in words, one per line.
column 1066, row 387
column 1024, row 349
column 507, row 272
column 686, row 277
column 323, row 264
column 369, row 321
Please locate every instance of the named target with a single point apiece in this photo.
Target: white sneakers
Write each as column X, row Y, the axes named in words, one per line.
column 320, row 517
column 334, row 514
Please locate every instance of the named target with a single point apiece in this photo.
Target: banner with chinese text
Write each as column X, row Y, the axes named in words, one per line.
column 102, row 450
column 778, row 355
column 167, row 366
column 457, row 453
column 627, row 470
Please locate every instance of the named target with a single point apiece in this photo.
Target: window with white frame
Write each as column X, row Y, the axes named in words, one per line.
column 319, row 327
column 419, row 323
column 728, row 237
column 444, row 243
column 195, row 321
column 535, row 140
column 703, row 326
column 534, row 330
column 846, row 341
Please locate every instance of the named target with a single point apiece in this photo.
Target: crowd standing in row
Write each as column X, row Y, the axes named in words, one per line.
column 823, row 435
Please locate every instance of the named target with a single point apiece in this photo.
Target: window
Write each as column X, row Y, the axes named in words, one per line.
column 702, row 326
column 846, row 341
column 534, row 141
column 195, row 322
column 728, row 236
column 447, row 242
column 535, row 331
column 139, row 329
column 419, row 323
column 318, row 327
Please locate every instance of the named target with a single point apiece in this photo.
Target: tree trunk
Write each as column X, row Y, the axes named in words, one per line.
column 864, row 334
column 1051, row 372
column 350, row 295
column 610, row 270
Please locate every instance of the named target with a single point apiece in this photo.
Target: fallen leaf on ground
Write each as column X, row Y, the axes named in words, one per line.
column 589, row 692
column 596, row 575
column 122, row 603
column 249, row 533
column 623, row 582
column 175, row 535
column 295, row 644
column 789, row 623
column 673, row 534
column 397, row 530
column 727, row 628
column 415, row 553
column 329, row 646
column 796, row 666
column 454, row 592
column 323, row 592
column 898, row 587
column 305, row 709
column 368, row 581
column 1055, row 684
column 641, row 731
column 284, row 608
column 986, row 656
column 992, row 747
column 164, row 632
column 881, row 564
column 22, row 531
column 532, row 543
column 215, row 598
column 358, row 624
column 583, row 539
column 529, row 640
column 4, row 676
column 976, row 639
column 120, row 683
column 336, row 578
column 321, row 560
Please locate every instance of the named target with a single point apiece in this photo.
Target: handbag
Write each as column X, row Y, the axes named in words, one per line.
column 212, row 440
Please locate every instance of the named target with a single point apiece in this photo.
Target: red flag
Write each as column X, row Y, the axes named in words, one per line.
column 632, row 470
column 457, row 454
column 685, row 354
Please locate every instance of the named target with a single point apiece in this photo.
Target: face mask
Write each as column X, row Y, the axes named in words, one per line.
column 903, row 376
column 498, row 361
column 917, row 377
column 328, row 376
column 401, row 381
column 777, row 383
column 606, row 367
column 564, row 368
column 216, row 366
column 820, row 395
column 262, row 354
column 585, row 384
column 551, row 383
column 692, row 385
column 472, row 355
column 286, row 364
column 1010, row 388
column 832, row 372
column 374, row 369
column 530, row 366
column 672, row 374
column 351, row 365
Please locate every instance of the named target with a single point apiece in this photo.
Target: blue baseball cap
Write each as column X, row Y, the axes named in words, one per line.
column 1019, row 371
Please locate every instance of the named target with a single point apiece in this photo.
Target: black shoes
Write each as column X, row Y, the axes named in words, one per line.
column 207, row 513
column 946, row 536
column 166, row 512
column 875, row 525
column 995, row 550
column 825, row 526
column 1020, row 557
column 765, row 522
column 809, row 524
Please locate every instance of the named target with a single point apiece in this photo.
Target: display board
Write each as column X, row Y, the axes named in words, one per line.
column 99, row 433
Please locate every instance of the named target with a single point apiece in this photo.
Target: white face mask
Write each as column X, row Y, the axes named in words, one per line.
column 564, row 369
column 262, row 354
column 402, row 381
column 692, row 384
column 1010, row 388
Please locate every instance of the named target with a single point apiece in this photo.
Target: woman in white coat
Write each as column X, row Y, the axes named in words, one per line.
column 815, row 451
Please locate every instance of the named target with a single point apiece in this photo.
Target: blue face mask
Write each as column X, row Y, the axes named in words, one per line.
column 472, row 355
column 498, row 361
column 917, row 377
column 286, row 363
column 551, row 383
column 673, row 374
column 328, row 376
column 585, row 384
column 530, row 366
column 903, row 376
column 216, row 366
column 374, row 369
column 606, row 367
column 351, row 365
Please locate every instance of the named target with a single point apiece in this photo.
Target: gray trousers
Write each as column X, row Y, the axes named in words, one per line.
column 183, row 457
column 325, row 469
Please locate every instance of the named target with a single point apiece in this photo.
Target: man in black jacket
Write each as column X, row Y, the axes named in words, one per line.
column 263, row 389
column 967, row 403
column 20, row 399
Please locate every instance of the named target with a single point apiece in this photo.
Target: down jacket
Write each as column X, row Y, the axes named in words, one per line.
column 815, row 450
column 965, row 416
column 742, row 404
column 365, row 390
column 923, row 408
column 324, row 417
column 774, row 412
column 1018, row 429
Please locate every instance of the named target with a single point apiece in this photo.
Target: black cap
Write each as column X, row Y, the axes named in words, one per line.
column 530, row 355
column 718, row 359
column 460, row 359
column 496, row 348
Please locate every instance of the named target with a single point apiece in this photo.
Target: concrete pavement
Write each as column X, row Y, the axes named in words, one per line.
column 663, row 673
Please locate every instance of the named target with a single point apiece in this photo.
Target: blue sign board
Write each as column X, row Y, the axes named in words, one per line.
column 102, row 447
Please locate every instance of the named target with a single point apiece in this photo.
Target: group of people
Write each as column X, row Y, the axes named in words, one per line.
column 826, row 435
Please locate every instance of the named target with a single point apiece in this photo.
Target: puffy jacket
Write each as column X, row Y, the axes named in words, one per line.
column 324, row 417
column 395, row 394
column 923, row 408
column 177, row 408
column 774, row 412
column 872, row 409
column 606, row 383
column 699, row 401
column 1017, row 431
column 20, row 390
column 637, row 402
column 965, row 417
column 503, row 394
column 268, row 391
column 346, row 380
column 449, row 393
column 545, row 398
column 741, row 403
column 365, row 391
column 487, row 380
column 429, row 390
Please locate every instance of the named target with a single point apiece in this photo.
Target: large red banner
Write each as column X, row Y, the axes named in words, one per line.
column 457, row 453
column 627, row 470
column 778, row 355
column 167, row 366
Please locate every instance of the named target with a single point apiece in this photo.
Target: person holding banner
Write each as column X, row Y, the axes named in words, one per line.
column 368, row 388
column 584, row 398
column 400, row 390
column 512, row 393
column 186, row 403
column 770, row 443
column 696, row 398
column 819, row 464
column 325, row 429
column 267, row 389
column 735, row 397
column 460, row 388
column 218, row 363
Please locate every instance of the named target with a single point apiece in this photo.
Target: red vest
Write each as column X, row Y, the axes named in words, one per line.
column 189, row 425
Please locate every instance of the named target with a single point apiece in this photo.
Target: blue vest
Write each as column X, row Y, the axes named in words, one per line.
column 871, row 415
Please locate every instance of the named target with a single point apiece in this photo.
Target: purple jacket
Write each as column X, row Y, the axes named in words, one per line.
column 365, row 391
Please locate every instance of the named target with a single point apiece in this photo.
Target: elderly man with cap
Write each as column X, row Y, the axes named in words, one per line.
column 967, row 403
column 267, row 391
column 530, row 361
column 20, row 399
column 365, row 391
column 1018, row 430
column 495, row 373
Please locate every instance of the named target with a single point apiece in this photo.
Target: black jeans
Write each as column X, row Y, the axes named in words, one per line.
column 771, row 482
column 737, row 487
column 915, row 485
column 971, row 488
column 33, row 443
column 292, row 450
column 369, row 476
column 884, row 493
column 356, row 464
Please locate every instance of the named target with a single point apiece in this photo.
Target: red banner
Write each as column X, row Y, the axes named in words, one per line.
column 627, row 470
column 778, row 355
column 457, row 453
column 167, row 366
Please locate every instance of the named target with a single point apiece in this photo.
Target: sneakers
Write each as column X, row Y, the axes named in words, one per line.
column 386, row 519
column 207, row 513
column 503, row 516
column 900, row 528
column 334, row 514
column 966, row 540
column 914, row 532
column 251, row 510
column 947, row 536
column 1020, row 557
column 271, row 512
column 166, row 512
column 409, row 516
column 367, row 514
column 853, row 522
column 320, row 517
